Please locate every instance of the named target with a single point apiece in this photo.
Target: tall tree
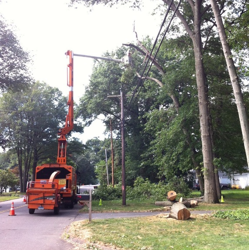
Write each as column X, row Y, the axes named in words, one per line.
column 106, row 80
column 30, row 122
column 195, row 16
column 193, row 28
column 233, row 77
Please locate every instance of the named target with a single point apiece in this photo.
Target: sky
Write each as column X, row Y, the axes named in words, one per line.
column 48, row 28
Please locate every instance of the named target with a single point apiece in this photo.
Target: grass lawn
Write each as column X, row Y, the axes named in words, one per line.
column 161, row 233
column 233, row 199
column 10, row 196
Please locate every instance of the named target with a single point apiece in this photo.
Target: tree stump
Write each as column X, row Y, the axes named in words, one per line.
column 179, row 211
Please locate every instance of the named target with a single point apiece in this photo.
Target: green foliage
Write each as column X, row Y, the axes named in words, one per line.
column 179, row 186
column 236, row 22
column 105, row 192
column 241, row 214
column 14, row 73
column 29, row 123
column 162, row 127
column 7, row 178
column 110, row 3
column 143, row 189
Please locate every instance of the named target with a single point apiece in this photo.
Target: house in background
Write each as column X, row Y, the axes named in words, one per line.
column 236, row 180
column 239, row 181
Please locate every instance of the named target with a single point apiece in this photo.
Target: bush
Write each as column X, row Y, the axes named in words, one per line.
column 143, row 189
column 108, row 192
column 242, row 214
column 179, row 186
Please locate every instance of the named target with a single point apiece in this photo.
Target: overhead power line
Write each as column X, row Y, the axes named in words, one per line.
column 147, row 61
column 140, row 83
column 163, row 36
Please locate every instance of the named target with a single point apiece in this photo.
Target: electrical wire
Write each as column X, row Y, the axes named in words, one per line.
column 164, row 36
column 147, row 61
column 139, row 85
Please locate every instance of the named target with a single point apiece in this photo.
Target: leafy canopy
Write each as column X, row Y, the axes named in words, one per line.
column 14, row 73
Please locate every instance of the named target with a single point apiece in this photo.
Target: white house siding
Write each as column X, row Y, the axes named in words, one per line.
column 240, row 179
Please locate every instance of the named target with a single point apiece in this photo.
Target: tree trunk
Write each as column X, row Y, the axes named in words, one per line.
column 200, row 178
column 19, row 159
column 179, row 211
column 210, row 195
column 233, row 77
column 34, row 165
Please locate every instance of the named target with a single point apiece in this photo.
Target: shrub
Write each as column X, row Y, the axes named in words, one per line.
column 108, row 192
column 160, row 191
column 242, row 214
column 143, row 189
column 179, row 186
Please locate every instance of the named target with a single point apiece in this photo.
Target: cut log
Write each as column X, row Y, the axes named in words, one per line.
column 179, row 211
column 193, row 203
column 171, row 195
column 164, row 203
column 186, row 203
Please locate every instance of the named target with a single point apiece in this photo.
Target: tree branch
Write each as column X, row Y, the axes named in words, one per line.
column 180, row 16
column 191, row 4
column 146, row 53
column 205, row 10
column 173, row 97
column 150, row 78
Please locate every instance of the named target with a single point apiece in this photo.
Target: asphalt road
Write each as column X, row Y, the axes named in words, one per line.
column 42, row 230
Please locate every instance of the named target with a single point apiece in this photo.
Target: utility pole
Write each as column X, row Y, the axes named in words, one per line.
column 123, row 147
column 126, row 60
column 112, row 154
column 123, row 152
column 106, row 159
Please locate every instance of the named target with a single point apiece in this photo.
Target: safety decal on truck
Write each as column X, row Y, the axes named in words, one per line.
column 62, row 182
column 52, row 197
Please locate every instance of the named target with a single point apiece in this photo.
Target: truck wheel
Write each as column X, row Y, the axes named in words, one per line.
column 56, row 210
column 31, row 211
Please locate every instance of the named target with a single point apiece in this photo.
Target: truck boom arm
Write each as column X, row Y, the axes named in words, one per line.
column 62, row 142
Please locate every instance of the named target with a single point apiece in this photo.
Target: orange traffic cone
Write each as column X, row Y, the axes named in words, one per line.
column 12, row 211
column 24, row 199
